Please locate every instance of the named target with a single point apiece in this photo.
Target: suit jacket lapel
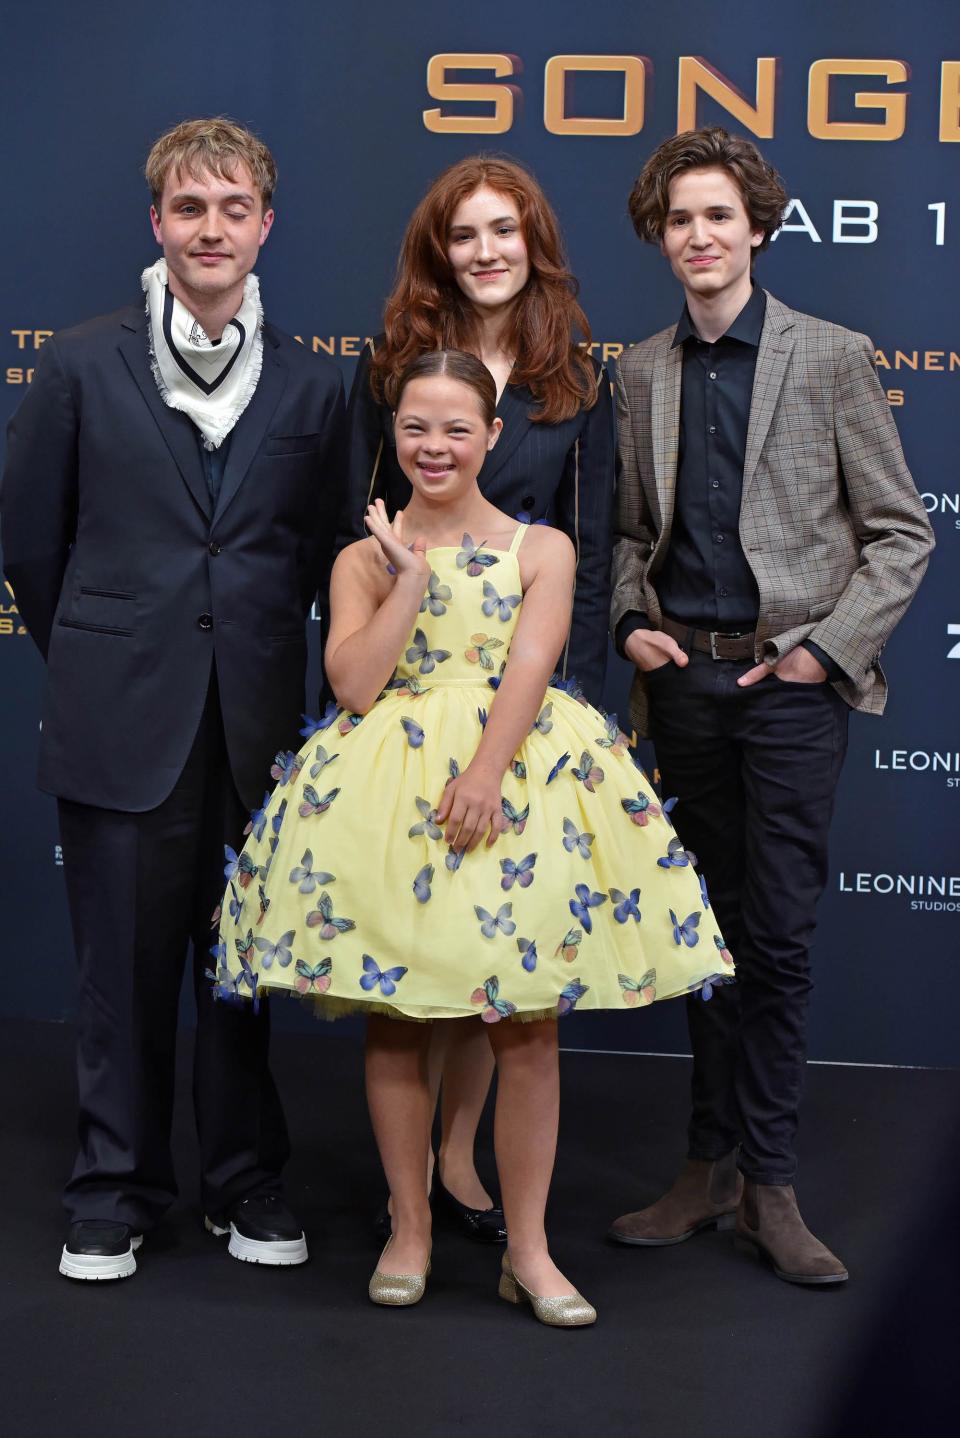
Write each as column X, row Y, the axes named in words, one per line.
column 515, row 404
column 247, row 435
column 178, row 431
column 665, row 426
column 773, row 358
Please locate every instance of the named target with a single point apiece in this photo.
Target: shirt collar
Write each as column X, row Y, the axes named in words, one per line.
column 746, row 327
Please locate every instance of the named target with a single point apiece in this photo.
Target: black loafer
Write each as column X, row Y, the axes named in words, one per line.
column 97, row 1248
column 483, row 1225
column 262, row 1230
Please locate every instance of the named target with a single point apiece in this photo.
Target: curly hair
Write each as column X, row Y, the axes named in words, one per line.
column 214, row 147
column 764, row 196
column 427, row 310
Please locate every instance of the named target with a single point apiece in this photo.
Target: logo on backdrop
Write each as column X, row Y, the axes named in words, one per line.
column 942, row 506
column 924, row 893
column 942, row 765
column 10, row 621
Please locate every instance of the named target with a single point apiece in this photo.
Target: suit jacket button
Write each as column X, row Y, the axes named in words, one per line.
column 205, row 621
column 214, row 547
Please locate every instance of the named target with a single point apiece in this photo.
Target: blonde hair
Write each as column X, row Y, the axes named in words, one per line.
column 213, row 147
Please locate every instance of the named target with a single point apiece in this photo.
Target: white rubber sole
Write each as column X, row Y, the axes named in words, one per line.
column 280, row 1253
column 97, row 1267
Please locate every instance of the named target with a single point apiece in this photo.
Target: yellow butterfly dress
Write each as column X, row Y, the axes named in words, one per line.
column 347, row 893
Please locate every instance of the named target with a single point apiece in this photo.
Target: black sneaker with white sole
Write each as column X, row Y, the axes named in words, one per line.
column 97, row 1248
column 262, row 1230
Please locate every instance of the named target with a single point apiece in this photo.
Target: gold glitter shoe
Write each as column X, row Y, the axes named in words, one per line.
column 570, row 1311
column 398, row 1290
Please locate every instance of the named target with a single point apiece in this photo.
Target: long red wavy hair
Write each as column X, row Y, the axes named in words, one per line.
column 427, row 310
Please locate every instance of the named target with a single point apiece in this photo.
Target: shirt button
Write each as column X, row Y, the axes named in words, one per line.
column 722, row 593
column 712, row 429
column 713, row 374
column 214, row 547
column 718, row 538
column 714, row 484
column 205, row 621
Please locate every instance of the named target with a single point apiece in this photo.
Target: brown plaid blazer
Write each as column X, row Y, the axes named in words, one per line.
column 830, row 519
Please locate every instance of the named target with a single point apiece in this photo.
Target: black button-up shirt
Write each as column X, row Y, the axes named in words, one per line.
column 706, row 581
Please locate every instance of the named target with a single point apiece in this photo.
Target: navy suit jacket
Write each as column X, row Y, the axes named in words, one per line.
column 134, row 586
column 563, row 473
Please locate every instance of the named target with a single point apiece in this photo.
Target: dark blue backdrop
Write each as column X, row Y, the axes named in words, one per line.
column 339, row 94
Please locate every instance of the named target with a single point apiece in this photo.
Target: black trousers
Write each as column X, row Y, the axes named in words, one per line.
column 754, row 771
column 142, row 888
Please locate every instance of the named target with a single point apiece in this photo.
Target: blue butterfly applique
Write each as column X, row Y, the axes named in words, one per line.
column 280, row 951
column 583, row 902
column 454, row 859
column 501, row 606
column 322, row 760
column 428, row 821
column 307, row 877
column 276, row 823
column 258, row 820
column 564, row 759
column 314, row 726
column 676, row 857
column 543, row 723
column 573, row 839
column 472, row 559
column 704, row 897
column 626, row 905
column 685, row 932
column 420, row 653
column 490, row 923
column 437, row 596
column 570, row 996
column 714, row 981
column 421, row 884
column 374, row 975
column 528, row 954
column 514, row 873
column 413, row 731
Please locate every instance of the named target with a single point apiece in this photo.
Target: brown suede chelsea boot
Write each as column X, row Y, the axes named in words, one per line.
column 768, row 1219
column 704, row 1195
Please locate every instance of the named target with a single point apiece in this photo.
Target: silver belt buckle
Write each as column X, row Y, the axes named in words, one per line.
column 713, row 644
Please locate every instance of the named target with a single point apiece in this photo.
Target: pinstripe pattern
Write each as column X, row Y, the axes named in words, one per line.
column 830, row 519
column 563, row 473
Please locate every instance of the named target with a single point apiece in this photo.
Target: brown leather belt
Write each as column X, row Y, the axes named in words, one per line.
column 709, row 641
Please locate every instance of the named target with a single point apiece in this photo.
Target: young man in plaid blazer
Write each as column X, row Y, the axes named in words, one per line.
column 769, row 539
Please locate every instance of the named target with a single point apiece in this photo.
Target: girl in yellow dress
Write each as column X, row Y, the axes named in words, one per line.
column 459, row 837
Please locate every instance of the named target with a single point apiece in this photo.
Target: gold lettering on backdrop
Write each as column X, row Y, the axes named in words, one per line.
column 950, row 100
column 500, row 96
column 696, row 74
column 558, row 78
column 932, row 361
column 821, row 127
column 36, row 338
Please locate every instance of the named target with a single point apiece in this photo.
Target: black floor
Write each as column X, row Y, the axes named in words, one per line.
column 693, row 1340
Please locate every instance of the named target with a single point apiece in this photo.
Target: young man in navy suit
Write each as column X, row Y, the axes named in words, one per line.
column 168, row 509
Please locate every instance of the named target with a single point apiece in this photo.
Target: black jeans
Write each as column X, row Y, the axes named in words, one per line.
column 141, row 887
column 754, row 771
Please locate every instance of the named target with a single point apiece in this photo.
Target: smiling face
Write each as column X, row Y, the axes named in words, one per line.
column 442, row 436
column 211, row 229
column 487, row 250
column 708, row 237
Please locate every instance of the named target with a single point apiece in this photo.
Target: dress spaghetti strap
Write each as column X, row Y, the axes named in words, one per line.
column 517, row 539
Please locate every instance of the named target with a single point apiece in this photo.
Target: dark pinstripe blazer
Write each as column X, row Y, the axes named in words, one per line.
column 830, row 519
column 563, row 473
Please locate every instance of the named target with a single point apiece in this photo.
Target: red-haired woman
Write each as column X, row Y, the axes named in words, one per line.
column 482, row 269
